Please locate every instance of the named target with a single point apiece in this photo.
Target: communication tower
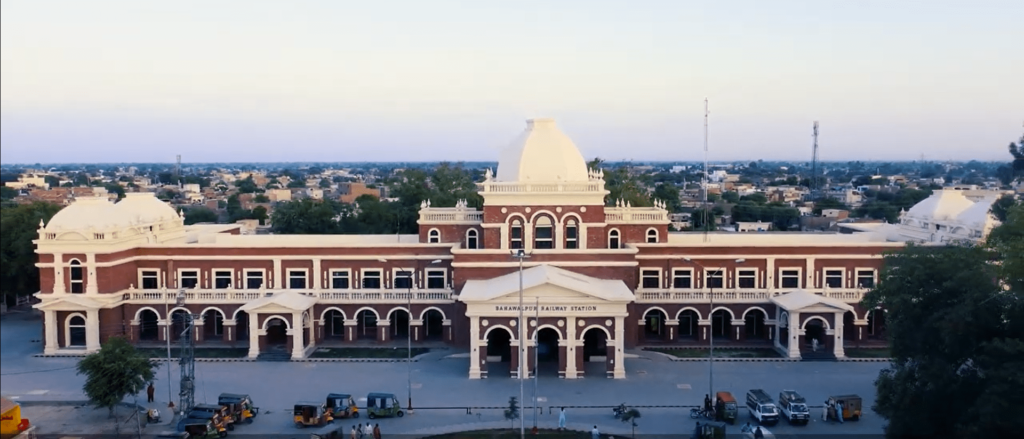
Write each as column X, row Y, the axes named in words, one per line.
column 815, row 189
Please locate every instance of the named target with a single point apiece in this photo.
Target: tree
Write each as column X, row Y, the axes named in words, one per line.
column 325, row 183
column 7, row 193
column 698, row 222
column 19, row 225
column 260, row 198
column 828, row 203
column 113, row 373
column 512, row 412
column 731, row 197
column 115, row 188
column 259, row 213
column 631, row 415
column 668, row 193
column 1017, row 151
column 1001, row 208
column 246, row 185
column 955, row 334
column 200, row 215
column 306, row 216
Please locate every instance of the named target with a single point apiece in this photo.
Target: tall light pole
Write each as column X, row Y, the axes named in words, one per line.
column 536, row 360
column 178, row 300
column 521, row 255
column 411, row 275
column 711, row 320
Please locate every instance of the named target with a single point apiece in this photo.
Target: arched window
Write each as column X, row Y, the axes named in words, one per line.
column 571, row 234
column 516, row 234
column 77, row 279
column 434, row 236
column 75, row 331
column 472, row 239
column 543, row 233
column 613, row 239
column 652, row 236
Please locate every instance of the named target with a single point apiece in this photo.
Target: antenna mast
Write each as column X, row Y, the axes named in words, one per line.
column 814, row 164
column 177, row 168
column 704, row 181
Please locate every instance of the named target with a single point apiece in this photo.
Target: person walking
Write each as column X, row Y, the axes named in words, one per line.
column 824, row 411
column 561, row 419
column 758, row 434
column 368, row 430
column 595, row 434
column 376, row 431
column 354, row 435
column 150, row 391
column 707, row 403
column 839, row 411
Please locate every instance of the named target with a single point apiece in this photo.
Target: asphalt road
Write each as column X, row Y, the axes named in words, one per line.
column 440, row 381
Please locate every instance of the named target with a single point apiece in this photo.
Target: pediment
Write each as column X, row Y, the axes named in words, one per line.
column 550, row 284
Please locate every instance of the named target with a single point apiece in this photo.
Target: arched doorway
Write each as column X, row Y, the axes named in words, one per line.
column 433, row 325
column 783, row 328
column 814, row 329
column 399, row 321
column 149, row 327
column 876, row 324
column 242, row 326
column 753, row 325
column 213, row 325
column 76, row 332
column 499, row 352
column 849, row 329
column 179, row 321
column 334, row 325
column 721, row 320
column 595, row 353
column 689, row 329
column 654, row 325
column 277, row 333
column 366, row 325
column 547, row 352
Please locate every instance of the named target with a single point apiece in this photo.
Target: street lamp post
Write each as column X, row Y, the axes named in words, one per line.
column 408, row 331
column 521, row 255
column 711, row 320
column 178, row 300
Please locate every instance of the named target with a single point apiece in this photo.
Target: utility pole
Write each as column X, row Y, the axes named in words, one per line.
column 536, row 359
column 704, row 181
column 521, row 255
column 814, row 163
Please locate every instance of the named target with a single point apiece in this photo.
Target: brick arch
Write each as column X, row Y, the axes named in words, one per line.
column 573, row 215
column 554, row 218
column 558, row 330
column 689, row 308
column 392, row 311
column 366, row 308
column 493, row 327
column 658, row 308
column 513, row 215
column 138, row 314
column 223, row 315
column 731, row 314
column 266, row 323
column 323, row 315
column 176, row 309
column 423, row 314
column 753, row 308
column 601, row 327
column 234, row 315
column 809, row 319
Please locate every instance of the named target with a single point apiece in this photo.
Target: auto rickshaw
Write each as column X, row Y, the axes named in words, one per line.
column 726, row 409
column 214, row 418
column 203, row 429
column 709, row 430
column 223, row 414
column 239, row 407
column 851, row 407
column 342, row 405
column 383, row 405
column 311, row 414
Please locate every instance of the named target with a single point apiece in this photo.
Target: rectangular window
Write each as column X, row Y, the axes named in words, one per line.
column 371, row 279
column 297, row 279
column 650, row 279
column 789, row 279
column 339, row 280
column 253, row 279
column 571, row 239
column 517, row 236
column 403, row 280
column 746, row 279
column 866, row 278
column 150, row 279
column 436, row 279
column 77, row 283
column 682, row 279
column 222, row 279
column 189, row 279
column 834, row 278
column 714, row 279
column 544, row 238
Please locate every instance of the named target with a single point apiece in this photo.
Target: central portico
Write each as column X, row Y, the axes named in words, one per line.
column 578, row 317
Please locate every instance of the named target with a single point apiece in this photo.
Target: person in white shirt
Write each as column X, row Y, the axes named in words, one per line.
column 594, row 434
column 368, row 430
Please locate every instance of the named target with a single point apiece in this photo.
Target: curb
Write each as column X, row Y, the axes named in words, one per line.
column 866, row 360
column 739, row 360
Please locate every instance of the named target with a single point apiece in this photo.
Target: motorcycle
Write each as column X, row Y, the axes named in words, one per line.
column 619, row 411
column 702, row 413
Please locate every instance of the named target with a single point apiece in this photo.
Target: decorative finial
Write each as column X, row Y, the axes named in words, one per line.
column 423, row 204
column 428, row 203
column 628, row 204
column 41, row 225
column 488, row 175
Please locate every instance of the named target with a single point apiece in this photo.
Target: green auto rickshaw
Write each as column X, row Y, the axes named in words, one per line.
column 726, row 409
column 383, row 405
column 203, row 429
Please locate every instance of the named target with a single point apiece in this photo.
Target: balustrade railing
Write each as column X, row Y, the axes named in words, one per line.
column 727, row 295
column 353, row 296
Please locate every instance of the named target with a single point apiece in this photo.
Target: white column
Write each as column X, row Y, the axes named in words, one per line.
column 254, row 335
column 90, row 265
column 316, row 277
column 58, row 274
column 92, row 330
column 297, row 339
column 474, row 348
column 278, row 280
column 778, row 327
column 504, row 236
column 581, row 233
column 770, row 275
column 809, row 275
column 838, row 341
column 570, row 348
column 50, row 325
column 620, row 345
column 794, row 335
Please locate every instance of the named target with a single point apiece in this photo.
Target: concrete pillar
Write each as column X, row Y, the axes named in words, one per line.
column 770, row 275
column 481, row 358
column 91, row 286
column 135, row 333
column 229, row 332
column 737, row 329
column 809, row 275
column 447, row 325
column 705, row 329
column 383, row 331
column 254, row 335
column 92, row 330
column 837, row 349
column 417, row 327
column 50, row 326
column 620, row 347
column 316, row 278
column 514, row 367
column 794, row 335
column 58, row 274
column 563, row 357
column 571, row 347
column 609, row 362
column 298, row 332
column 529, row 352
column 278, row 281
column 474, row 349
column 350, row 329
column 671, row 329
column 199, row 330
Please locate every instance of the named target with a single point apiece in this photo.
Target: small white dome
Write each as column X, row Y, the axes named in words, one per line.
column 942, row 205
column 86, row 212
column 144, row 208
column 542, row 154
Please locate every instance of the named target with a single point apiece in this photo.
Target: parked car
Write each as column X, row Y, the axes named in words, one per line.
column 762, row 407
column 794, row 407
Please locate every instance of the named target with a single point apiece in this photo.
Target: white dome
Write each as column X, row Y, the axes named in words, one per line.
column 543, row 154
column 979, row 214
column 144, row 208
column 942, row 205
column 86, row 212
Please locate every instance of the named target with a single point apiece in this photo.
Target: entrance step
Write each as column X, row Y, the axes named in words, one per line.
column 274, row 356
column 818, row 356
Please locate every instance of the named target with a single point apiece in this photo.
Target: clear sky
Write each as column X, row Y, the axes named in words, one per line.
column 381, row 80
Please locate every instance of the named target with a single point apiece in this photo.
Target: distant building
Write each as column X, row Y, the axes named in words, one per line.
column 350, row 191
column 279, row 195
column 28, row 181
column 747, row 226
column 946, row 216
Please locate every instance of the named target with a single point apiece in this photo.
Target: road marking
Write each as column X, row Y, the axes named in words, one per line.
column 12, row 397
column 417, row 385
column 37, row 392
column 641, row 372
column 542, row 399
column 683, row 386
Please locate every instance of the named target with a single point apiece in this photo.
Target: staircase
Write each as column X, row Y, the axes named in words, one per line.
column 821, row 355
column 274, row 355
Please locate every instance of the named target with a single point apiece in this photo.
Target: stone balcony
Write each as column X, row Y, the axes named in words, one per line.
column 352, row 296
column 732, row 295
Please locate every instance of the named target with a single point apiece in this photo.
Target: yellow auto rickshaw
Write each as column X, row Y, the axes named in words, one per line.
column 342, row 405
column 311, row 414
column 851, row 406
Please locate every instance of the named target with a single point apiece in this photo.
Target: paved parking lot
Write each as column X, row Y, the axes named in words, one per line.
column 440, row 381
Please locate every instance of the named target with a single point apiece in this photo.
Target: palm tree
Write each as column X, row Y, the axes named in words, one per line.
column 631, row 415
